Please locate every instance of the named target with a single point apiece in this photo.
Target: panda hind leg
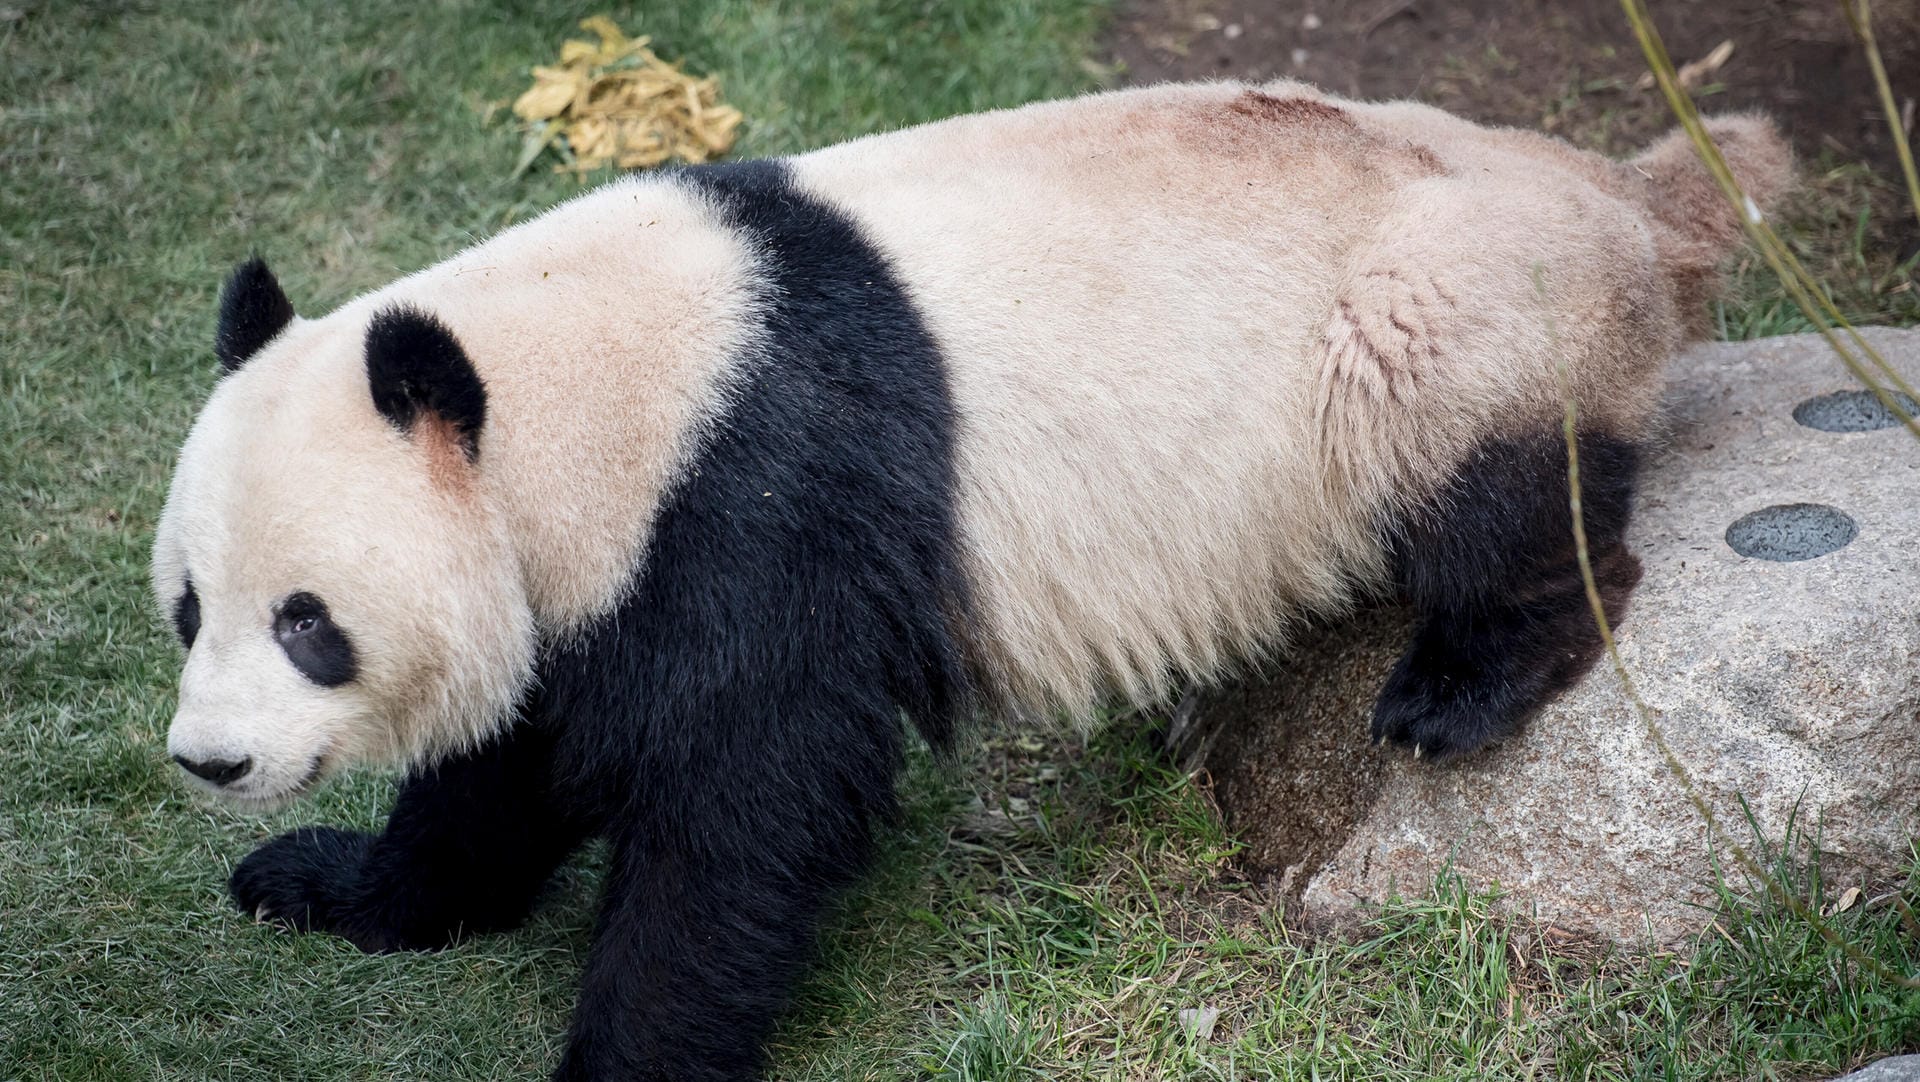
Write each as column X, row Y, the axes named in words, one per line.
column 466, row 850
column 1504, row 623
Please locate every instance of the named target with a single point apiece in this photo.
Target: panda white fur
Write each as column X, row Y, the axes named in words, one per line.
column 647, row 519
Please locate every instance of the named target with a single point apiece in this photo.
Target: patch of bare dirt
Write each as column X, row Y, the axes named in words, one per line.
column 1567, row 66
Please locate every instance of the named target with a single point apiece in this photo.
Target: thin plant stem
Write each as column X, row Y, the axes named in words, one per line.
column 1860, row 17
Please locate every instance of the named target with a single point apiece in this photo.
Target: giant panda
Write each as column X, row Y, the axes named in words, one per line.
column 650, row 519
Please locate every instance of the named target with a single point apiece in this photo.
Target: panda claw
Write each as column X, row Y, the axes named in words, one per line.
column 298, row 879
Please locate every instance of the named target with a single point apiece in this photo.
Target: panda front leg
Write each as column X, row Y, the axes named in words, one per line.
column 466, row 849
column 693, row 957
column 1490, row 565
column 738, row 836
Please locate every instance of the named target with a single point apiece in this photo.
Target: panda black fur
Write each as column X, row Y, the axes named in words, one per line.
column 814, row 561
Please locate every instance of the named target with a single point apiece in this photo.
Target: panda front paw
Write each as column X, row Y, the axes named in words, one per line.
column 306, row 879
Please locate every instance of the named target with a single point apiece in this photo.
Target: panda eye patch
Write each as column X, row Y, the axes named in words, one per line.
column 186, row 615
column 312, row 641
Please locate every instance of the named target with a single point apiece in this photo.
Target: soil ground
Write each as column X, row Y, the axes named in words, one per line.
column 1569, row 66
column 1572, row 67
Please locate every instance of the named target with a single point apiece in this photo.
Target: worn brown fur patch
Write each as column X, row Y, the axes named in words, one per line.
column 1426, row 159
column 1310, row 115
column 1291, row 110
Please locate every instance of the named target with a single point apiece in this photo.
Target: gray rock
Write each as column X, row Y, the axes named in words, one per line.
column 1891, row 1069
column 1792, row 682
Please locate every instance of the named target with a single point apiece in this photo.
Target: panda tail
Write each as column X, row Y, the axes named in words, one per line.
column 1696, row 225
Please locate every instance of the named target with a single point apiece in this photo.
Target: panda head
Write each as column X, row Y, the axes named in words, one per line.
column 329, row 554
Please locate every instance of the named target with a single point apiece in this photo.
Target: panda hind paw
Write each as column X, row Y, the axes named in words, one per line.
column 1442, row 702
column 1434, row 725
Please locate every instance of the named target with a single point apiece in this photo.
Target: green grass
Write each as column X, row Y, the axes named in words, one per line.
column 1089, row 897
column 1854, row 232
column 1044, row 912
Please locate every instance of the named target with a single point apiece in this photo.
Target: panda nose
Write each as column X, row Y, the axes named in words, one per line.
column 217, row 771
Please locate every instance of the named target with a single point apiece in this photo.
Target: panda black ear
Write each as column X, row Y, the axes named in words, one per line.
column 417, row 370
column 252, row 311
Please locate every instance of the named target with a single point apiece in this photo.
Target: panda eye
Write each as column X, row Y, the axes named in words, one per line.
column 186, row 616
column 313, row 642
